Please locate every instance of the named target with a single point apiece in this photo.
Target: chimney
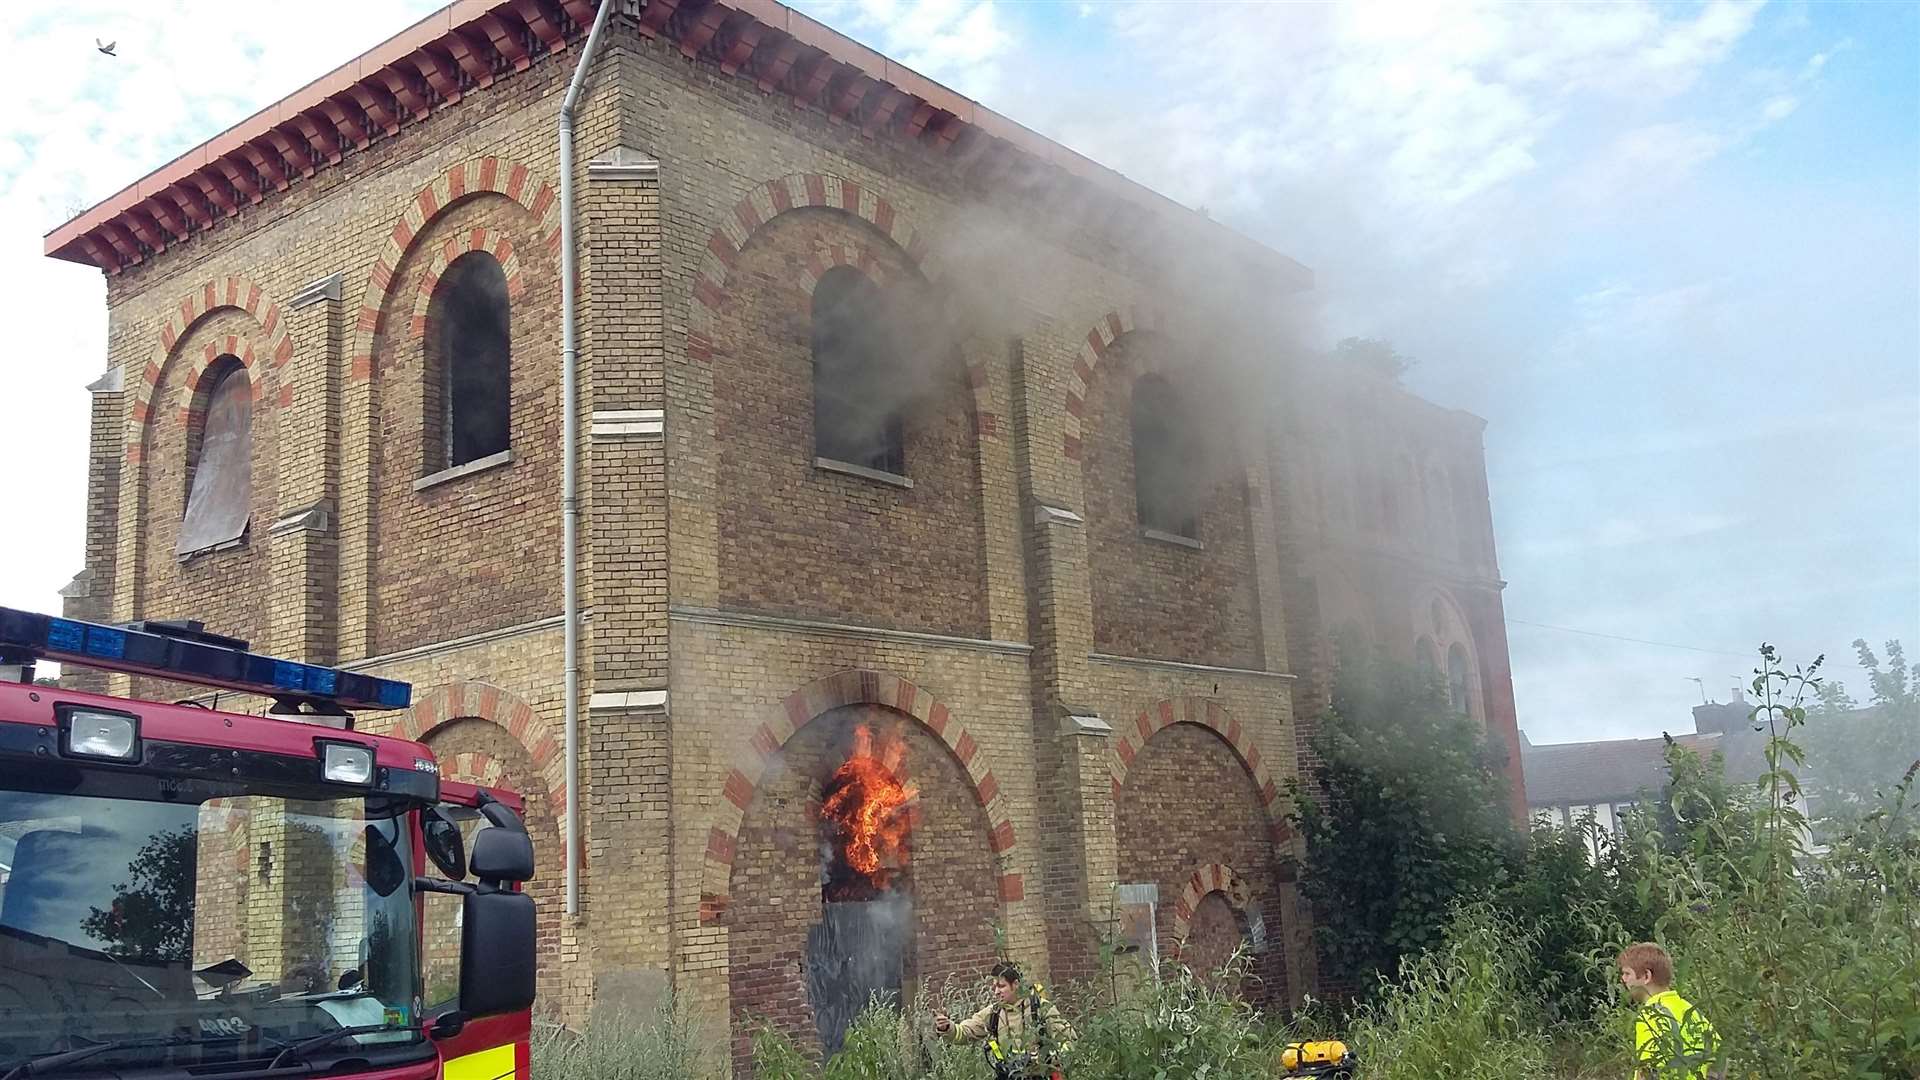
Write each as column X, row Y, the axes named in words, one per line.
column 1718, row 718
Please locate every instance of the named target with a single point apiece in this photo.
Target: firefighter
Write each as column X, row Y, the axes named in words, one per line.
column 1024, row 1034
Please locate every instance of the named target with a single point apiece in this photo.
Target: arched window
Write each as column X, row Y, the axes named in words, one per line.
column 219, row 459
column 1165, row 460
column 469, row 391
column 1459, row 694
column 856, row 416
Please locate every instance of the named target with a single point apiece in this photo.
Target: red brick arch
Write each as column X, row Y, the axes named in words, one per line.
column 1211, row 878
column 798, row 191
column 501, row 176
column 215, row 295
column 476, row 767
column 803, row 190
column 484, row 701
column 858, row 256
column 852, row 687
column 1130, row 740
column 1110, row 329
column 492, row 242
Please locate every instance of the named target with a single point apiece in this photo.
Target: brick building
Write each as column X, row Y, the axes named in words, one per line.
column 888, row 435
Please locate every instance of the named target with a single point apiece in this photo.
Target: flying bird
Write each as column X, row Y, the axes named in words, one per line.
column 105, row 46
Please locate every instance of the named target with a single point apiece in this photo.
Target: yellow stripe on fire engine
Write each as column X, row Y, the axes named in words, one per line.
column 494, row 1064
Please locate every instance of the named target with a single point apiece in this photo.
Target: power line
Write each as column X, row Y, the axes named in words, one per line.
column 1634, row 640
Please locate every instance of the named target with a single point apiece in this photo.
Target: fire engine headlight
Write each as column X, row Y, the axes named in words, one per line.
column 346, row 763
column 95, row 734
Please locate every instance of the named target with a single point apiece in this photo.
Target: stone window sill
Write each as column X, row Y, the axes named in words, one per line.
column 224, row 545
column 1173, row 538
column 850, row 469
column 477, row 465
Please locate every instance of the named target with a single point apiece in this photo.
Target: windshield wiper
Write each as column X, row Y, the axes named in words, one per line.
column 60, row 1059
column 305, row 1046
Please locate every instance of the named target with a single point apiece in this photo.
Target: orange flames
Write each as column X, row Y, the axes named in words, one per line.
column 870, row 810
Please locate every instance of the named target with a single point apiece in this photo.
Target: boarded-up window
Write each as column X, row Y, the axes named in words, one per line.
column 1166, row 460
column 469, row 393
column 219, row 460
column 855, row 419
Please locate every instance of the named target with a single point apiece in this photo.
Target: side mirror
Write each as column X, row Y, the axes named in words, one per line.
column 444, row 844
column 497, row 941
column 502, row 855
column 384, row 871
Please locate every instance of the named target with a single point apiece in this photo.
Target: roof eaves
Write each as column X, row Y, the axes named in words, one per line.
column 259, row 153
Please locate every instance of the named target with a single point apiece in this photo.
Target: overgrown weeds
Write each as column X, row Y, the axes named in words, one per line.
column 1462, row 1011
column 657, row 1045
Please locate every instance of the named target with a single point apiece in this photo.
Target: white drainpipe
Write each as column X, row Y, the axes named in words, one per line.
column 569, row 471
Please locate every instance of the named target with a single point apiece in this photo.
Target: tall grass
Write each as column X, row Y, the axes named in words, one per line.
column 660, row 1045
column 1463, row 1011
column 1808, row 963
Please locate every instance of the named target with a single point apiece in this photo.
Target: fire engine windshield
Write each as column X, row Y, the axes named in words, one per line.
column 223, row 931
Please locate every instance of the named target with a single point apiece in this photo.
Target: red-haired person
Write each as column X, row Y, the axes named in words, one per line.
column 1672, row 1039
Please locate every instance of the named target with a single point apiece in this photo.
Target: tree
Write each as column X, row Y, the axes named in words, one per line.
column 1855, row 756
column 1407, row 814
column 1375, row 355
column 151, row 918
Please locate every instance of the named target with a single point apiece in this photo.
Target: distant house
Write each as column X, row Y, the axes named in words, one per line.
column 1567, row 782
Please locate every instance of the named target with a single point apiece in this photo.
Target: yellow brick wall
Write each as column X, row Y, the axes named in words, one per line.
column 456, row 588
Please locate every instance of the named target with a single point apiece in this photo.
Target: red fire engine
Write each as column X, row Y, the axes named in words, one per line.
column 192, row 893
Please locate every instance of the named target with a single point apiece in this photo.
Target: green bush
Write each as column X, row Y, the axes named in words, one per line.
column 1576, row 911
column 880, row 1045
column 1180, row 1027
column 1407, row 817
column 1807, row 961
column 1462, row 1011
column 661, row 1045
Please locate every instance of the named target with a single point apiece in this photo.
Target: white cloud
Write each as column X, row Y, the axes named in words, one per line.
column 78, row 127
column 962, row 43
column 1620, row 531
column 1619, row 314
column 1418, row 118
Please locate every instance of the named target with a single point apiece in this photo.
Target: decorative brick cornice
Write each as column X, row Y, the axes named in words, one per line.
column 470, row 44
column 428, row 67
column 852, row 687
column 1131, row 738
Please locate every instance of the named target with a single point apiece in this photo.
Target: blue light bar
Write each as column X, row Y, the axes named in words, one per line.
column 143, row 652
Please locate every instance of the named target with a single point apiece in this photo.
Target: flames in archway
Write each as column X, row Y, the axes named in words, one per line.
column 867, row 813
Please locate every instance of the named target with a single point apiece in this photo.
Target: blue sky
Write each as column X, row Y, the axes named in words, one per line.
column 1670, row 252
